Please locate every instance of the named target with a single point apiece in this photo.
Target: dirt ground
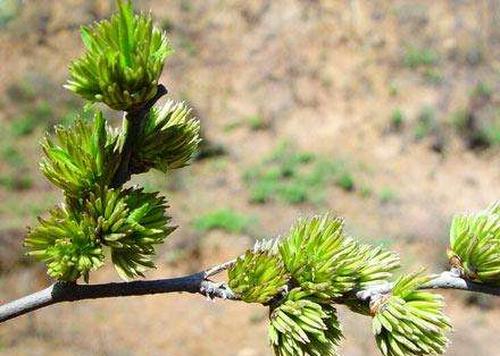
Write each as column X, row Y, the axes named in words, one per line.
column 324, row 75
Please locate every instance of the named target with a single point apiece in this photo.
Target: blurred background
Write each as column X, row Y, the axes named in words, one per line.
column 385, row 112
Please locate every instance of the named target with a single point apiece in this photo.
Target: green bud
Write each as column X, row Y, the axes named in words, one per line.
column 123, row 61
column 80, row 157
column 302, row 326
column 130, row 222
column 321, row 259
column 314, row 254
column 67, row 244
column 169, row 141
column 475, row 245
column 410, row 322
column 257, row 277
column 376, row 266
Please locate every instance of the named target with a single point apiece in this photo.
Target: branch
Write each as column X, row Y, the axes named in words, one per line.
column 69, row 292
column 197, row 283
column 446, row 280
column 219, row 268
column 133, row 126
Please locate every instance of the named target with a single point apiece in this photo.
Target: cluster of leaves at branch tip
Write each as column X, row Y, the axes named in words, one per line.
column 121, row 68
column 304, row 325
column 475, row 245
column 321, row 267
column 408, row 321
column 320, row 264
column 123, row 62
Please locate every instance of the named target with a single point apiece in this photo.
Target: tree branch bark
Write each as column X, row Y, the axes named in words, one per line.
column 133, row 126
column 197, row 283
column 59, row 292
column 446, row 280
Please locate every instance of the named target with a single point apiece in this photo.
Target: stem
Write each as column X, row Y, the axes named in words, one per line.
column 197, row 283
column 219, row 268
column 132, row 130
column 445, row 280
column 68, row 292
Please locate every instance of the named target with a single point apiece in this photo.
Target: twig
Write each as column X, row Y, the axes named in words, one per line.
column 219, row 268
column 446, row 280
column 69, row 292
column 133, row 126
column 197, row 283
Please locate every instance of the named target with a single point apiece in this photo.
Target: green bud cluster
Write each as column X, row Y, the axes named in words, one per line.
column 321, row 259
column 475, row 245
column 81, row 157
column 67, row 243
column 257, row 277
column 130, row 222
column 301, row 325
column 410, row 322
column 170, row 139
column 123, row 61
column 321, row 265
column 121, row 66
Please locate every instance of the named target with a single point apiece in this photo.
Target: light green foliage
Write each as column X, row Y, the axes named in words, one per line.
column 67, row 243
column 397, row 119
column 223, row 219
column 295, row 177
column 426, row 122
column 121, row 67
column 257, row 122
column 27, row 123
column 475, row 245
column 301, row 326
column 123, row 60
column 316, row 254
column 377, row 267
column 169, row 141
column 8, row 11
column 482, row 90
column 410, row 322
column 299, row 276
column 416, row 57
column 322, row 260
column 82, row 156
column 386, row 195
column 257, row 276
column 130, row 223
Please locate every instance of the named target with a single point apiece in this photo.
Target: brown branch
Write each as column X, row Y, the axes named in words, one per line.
column 133, row 126
column 68, row 292
column 197, row 283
